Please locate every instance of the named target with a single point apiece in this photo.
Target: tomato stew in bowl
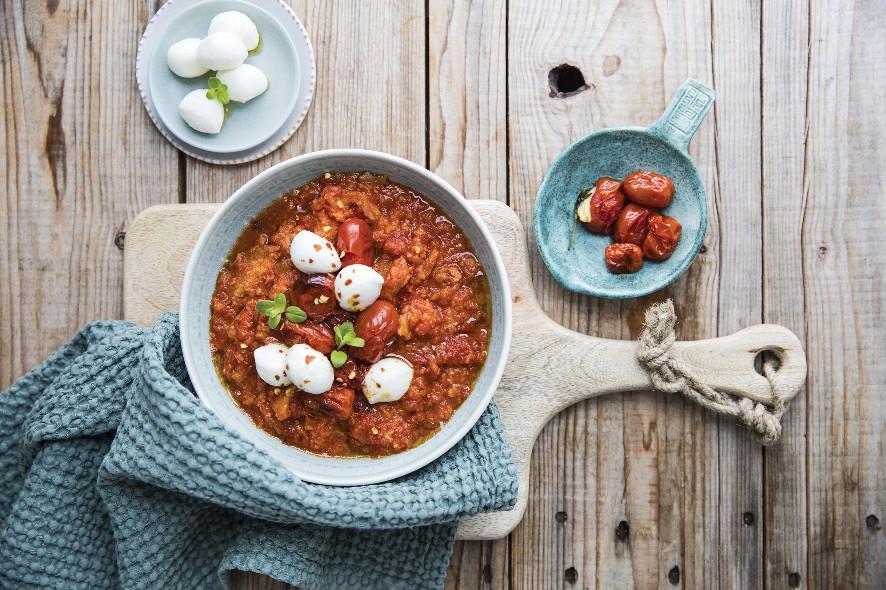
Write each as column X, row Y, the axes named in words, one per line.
column 229, row 232
column 433, row 311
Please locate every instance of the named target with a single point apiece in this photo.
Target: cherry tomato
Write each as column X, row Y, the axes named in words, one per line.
column 317, row 297
column 649, row 188
column 623, row 258
column 632, row 224
column 317, row 336
column 355, row 240
column 376, row 324
column 662, row 238
column 599, row 213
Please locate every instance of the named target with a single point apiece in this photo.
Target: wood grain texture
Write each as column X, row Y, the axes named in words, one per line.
column 844, row 284
column 79, row 159
column 785, row 61
column 467, row 147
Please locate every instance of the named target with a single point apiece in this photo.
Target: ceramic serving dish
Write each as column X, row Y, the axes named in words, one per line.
column 246, row 125
column 216, row 241
column 283, row 37
column 575, row 256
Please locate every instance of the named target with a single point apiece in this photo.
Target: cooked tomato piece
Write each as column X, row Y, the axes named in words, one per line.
column 632, row 224
column 662, row 237
column 355, row 240
column 623, row 258
column 316, row 296
column 649, row 188
column 377, row 325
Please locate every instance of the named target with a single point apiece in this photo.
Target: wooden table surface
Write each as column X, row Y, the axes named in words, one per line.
column 636, row 490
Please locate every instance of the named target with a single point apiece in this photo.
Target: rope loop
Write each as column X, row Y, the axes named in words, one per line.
column 669, row 375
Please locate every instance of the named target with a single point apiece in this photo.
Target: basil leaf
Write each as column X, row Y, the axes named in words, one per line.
column 265, row 307
column 274, row 321
column 357, row 342
column 280, row 301
column 337, row 358
column 296, row 315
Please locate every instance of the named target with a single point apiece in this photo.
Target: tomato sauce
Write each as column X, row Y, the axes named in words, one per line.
column 434, row 312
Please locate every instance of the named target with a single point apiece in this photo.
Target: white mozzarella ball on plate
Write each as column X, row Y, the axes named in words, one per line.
column 308, row 369
column 182, row 59
column 387, row 380
column 237, row 23
column 313, row 254
column 221, row 51
column 244, row 82
column 202, row 114
column 357, row 287
column 270, row 364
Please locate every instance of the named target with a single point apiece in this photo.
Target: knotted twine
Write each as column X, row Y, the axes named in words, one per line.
column 669, row 375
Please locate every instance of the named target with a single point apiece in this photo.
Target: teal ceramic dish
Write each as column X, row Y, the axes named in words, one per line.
column 246, row 125
column 212, row 249
column 616, row 152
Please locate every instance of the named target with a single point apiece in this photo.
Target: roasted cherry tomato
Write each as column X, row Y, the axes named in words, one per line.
column 631, row 224
column 623, row 258
column 377, row 325
column 662, row 238
column 649, row 188
column 317, row 296
column 355, row 240
column 318, row 336
column 598, row 211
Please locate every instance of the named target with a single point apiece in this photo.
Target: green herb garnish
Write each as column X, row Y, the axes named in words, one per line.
column 276, row 309
column 344, row 336
column 218, row 91
column 338, row 358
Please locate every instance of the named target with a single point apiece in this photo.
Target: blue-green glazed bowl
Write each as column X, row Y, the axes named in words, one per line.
column 246, row 125
column 578, row 265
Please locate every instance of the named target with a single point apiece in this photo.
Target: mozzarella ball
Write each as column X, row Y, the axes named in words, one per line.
column 387, row 380
column 221, row 51
column 357, row 287
column 270, row 364
column 309, row 369
column 312, row 254
column 182, row 59
column 244, row 82
column 238, row 24
column 205, row 115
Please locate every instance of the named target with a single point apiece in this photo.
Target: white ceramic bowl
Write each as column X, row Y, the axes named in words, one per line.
column 213, row 247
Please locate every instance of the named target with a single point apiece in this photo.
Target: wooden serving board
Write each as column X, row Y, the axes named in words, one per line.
column 549, row 368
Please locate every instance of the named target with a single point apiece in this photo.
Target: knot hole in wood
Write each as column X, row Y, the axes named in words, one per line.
column 566, row 80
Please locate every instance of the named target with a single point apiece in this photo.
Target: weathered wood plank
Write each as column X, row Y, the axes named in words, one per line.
column 370, row 89
column 467, row 134
column 736, row 60
column 844, row 285
column 785, row 55
column 80, row 158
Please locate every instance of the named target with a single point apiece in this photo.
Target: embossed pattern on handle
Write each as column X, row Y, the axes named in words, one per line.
column 684, row 114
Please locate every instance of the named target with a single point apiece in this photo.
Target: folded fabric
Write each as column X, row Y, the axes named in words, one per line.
column 113, row 474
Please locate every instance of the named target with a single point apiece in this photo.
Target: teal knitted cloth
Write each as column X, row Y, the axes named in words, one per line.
column 113, row 474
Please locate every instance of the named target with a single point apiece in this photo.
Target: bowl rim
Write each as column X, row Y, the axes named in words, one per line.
column 202, row 145
column 653, row 286
column 441, row 445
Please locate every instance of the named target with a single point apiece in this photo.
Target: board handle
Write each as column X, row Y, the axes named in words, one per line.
column 566, row 367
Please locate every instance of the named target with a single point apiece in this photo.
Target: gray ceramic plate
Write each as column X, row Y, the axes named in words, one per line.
column 216, row 241
column 246, row 125
column 303, row 64
column 579, row 266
